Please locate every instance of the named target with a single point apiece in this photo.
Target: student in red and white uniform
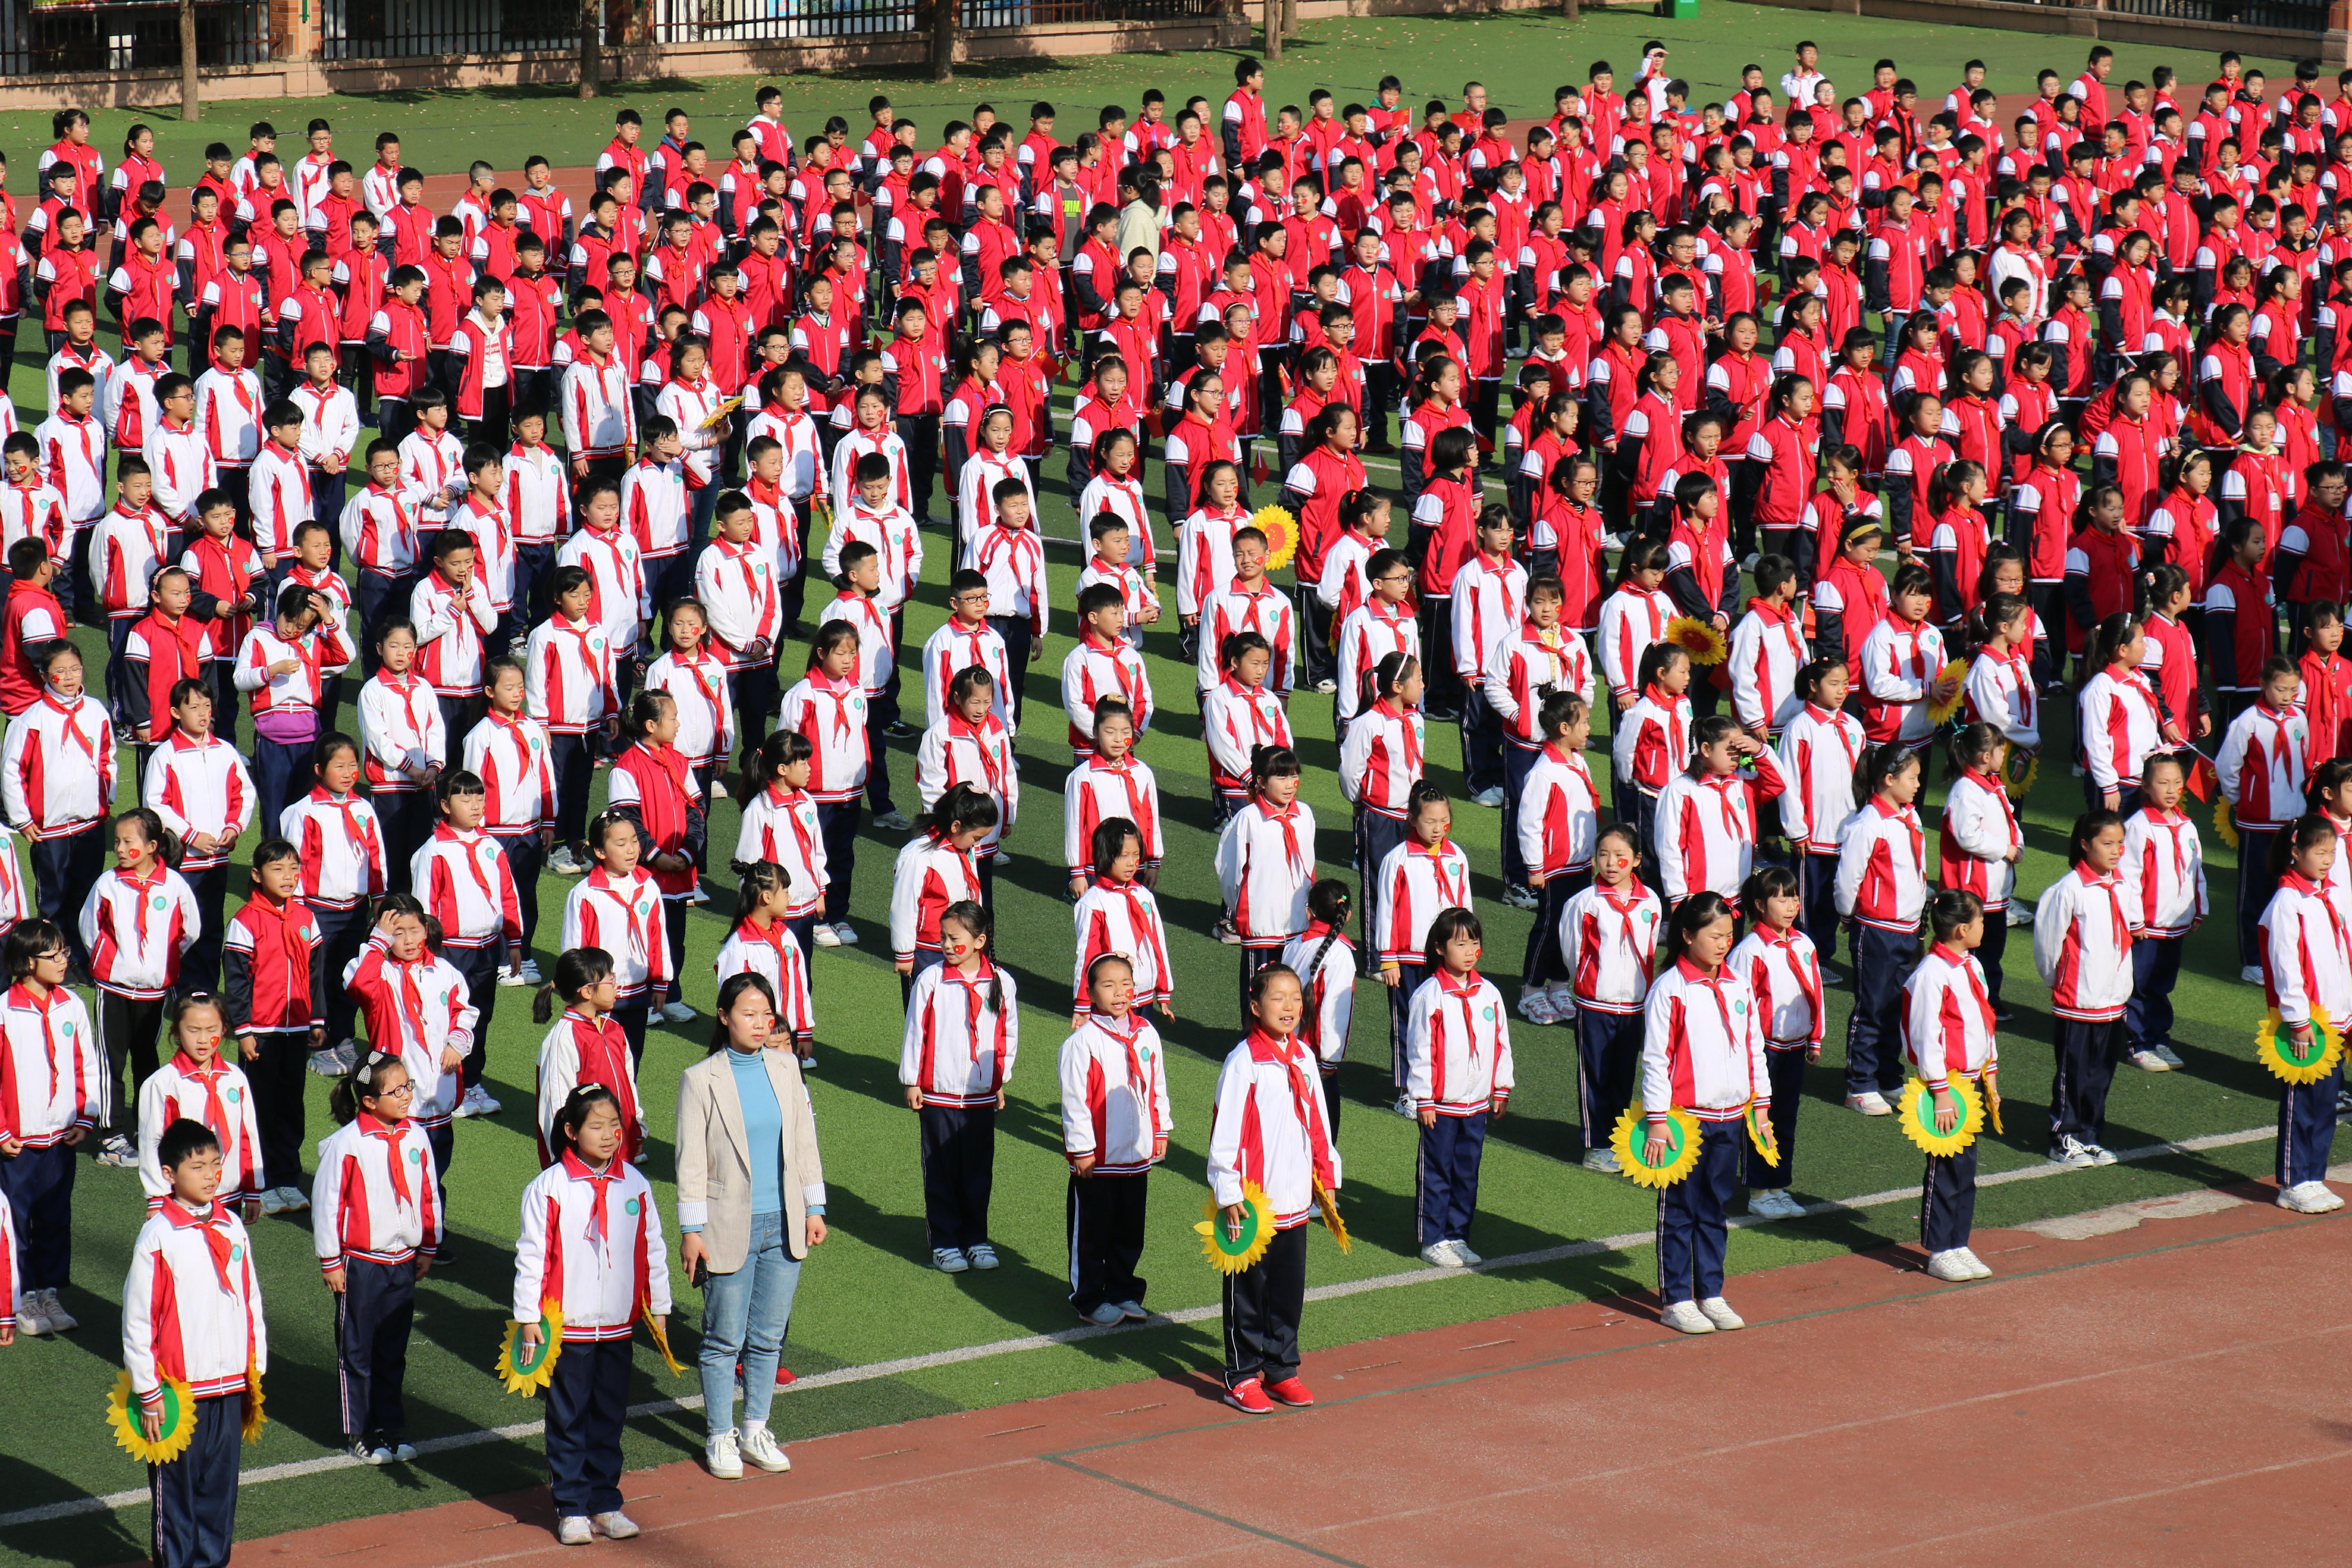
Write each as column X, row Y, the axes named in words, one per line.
column 192, row 1312
column 585, row 1048
column 2163, row 872
column 695, row 676
column 1882, row 885
column 2307, row 975
column 1266, row 858
column 197, row 785
column 1632, row 619
column 1458, row 1075
column 1238, row 716
column 590, row 1245
column 1902, row 663
column 1947, row 1033
column 1424, row 873
column 138, row 920
column 762, row 944
column 2003, row 690
column 345, row 866
column 934, row 871
column 653, row 781
column 1383, row 626
column 1271, row 1128
column 416, row 1002
column 618, row 906
column 376, row 1221
column 1205, row 546
column 1009, row 553
column 1115, row 1122
column 2082, row 932
column 1249, row 601
column 2120, row 720
column 460, row 875
column 52, row 1097
column 1381, row 759
column 1326, row 962
column 1652, row 742
column 570, row 688
column 1488, row 606
column 1708, row 816
column 965, row 639
column 406, row 744
column 961, row 1040
column 274, row 985
column 869, row 515
column 1702, row 1052
column 1784, row 974
column 200, row 1084
column 971, row 746
column 1117, row 914
column 780, row 824
column 454, row 613
column 828, row 706
column 1981, row 842
column 2263, row 772
column 509, row 752
column 1766, row 650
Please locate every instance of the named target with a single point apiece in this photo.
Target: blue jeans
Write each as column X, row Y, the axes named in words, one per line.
column 744, row 1315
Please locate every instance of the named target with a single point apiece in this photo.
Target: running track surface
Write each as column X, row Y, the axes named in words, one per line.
column 2174, row 1393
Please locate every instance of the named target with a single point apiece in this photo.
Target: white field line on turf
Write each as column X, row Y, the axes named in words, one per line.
column 522, row 1430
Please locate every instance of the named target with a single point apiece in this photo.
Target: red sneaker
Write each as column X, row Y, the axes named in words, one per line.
column 1250, row 1397
column 785, row 1374
column 1290, row 1392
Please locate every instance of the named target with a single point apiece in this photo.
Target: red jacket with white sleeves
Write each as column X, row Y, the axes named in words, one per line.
column 137, row 929
column 1707, row 828
column 1702, row 1046
column 376, row 1196
column 624, row 917
column 2083, row 933
column 1114, row 1077
column 1457, row 1049
column 1099, row 789
column 218, row 1096
column 931, row 874
column 511, row 755
column 1265, row 864
column 2261, row 765
column 192, row 1304
column 1883, row 867
column 1524, row 669
column 1271, row 1127
column 959, row 1045
column 465, row 884
column 198, row 786
column 782, row 826
column 52, row 1076
column 1947, row 1024
column 1415, row 881
column 1382, row 758
column 591, row 1242
column 342, row 848
column 1979, row 829
column 1783, row 972
column 2163, row 872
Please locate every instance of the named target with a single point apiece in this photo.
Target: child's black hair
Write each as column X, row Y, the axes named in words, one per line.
column 324, row 751
column 151, row 821
column 962, row 806
column 779, row 751
column 1879, row 764
column 1270, row 763
column 1109, row 841
column 1387, row 676
column 645, row 712
column 27, row 940
column 184, row 1138
column 1692, row 916
column 1951, row 909
column 829, row 637
column 975, row 918
column 460, row 780
column 573, row 1115
column 1971, row 743
column 2091, row 824
column 364, row 1080
column 576, row 969
column 271, row 851
column 1655, row 660
column 1711, row 729
column 1265, row 977
column 2289, row 842
column 1330, row 901
column 1447, row 925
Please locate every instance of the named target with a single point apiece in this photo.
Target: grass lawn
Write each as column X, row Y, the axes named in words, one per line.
column 870, row 1295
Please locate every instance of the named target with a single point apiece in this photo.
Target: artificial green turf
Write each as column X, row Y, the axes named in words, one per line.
column 869, row 1294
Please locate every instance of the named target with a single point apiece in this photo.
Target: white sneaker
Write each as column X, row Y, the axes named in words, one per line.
column 1227, row 933
column 981, row 1256
column 950, row 1259
column 1604, row 1160
column 118, row 1152
column 678, row 1011
column 271, row 1202
column 1491, row 797
column 1774, row 1203
column 1440, row 1255
column 572, row 1531
column 483, row 1105
column 1105, row 1315
column 32, row 1314
column 1133, row 1312
column 1983, row 1269
column 1404, row 1108
column 60, row 1320
column 844, row 933
column 294, row 1199
column 1718, row 1312
column 2303, row 1197
column 722, row 1454
column 402, row 1453
column 1536, row 1007
column 2100, row 1153
column 2251, row 974
column 616, row 1525
column 824, row 936
column 1467, row 1258
column 2165, row 1053
column 758, row 1444
column 1324, row 688
column 1563, row 1000
column 1870, row 1102
column 565, row 863
column 700, row 895
column 2020, row 913
column 1685, row 1318
column 2073, row 1153
column 1952, row 1266
column 2147, row 1060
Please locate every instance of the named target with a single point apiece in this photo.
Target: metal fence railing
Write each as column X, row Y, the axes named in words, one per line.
column 46, row 39
column 413, row 29
column 696, row 21
column 2290, row 16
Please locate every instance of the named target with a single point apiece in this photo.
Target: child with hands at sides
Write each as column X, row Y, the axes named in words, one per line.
column 138, row 923
column 2120, row 720
column 1265, row 859
column 966, row 638
column 1270, row 1127
column 1117, row 914
column 2307, row 976
column 570, row 689
column 696, row 678
column 1325, row 963
column 1702, row 1052
column 461, row 877
column 935, row 872
column 762, row 944
column 1458, row 1073
column 1204, row 548
column 1115, row 1122
column 961, row 1040
column 619, row 600
column 274, row 990
column 1112, row 782
column 56, row 783
column 779, row 824
column 1708, row 818
column 194, row 1256
column 1240, row 713
column 407, row 740
column 1632, row 619
column 1651, row 743
column 1948, row 1032
column 1784, row 974
column 1103, row 663
column 1424, row 873
column 617, row 907
column 735, row 584
column 1981, row 842
column 590, row 1242
column 1249, row 601
column 1608, row 933
column 1558, row 815
column 971, row 746
column 2001, row 689
column 1882, row 886
column 374, row 1248
column 1381, row 757
column 652, row 784
column 2163, row 871
column 2083, row 928
column 197, row 784
column 1767, row 650
column 583, row 1047
column 1819, row 748
column 1115, row 491
column 509, row 752
column 1383, row 627
column 1108, row 567
column 201, row 1085
column 1540, row 657
column 858, row 605
column 341, row 844
column 828, row 707
column 2263, row 771
column 57, row 1089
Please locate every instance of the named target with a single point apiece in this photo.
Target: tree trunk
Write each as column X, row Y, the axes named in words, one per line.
column 191, row 107
column 1273, row 32
column 592, row 42
column 1570, row 9
column 943, row 39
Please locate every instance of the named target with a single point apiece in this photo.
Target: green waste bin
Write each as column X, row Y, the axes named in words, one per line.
column 1679, row 10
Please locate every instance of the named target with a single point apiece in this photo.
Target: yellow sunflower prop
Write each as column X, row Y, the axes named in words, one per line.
column 1231, row 1254
column 2019, row 771
column 526, row 1370
column 254, row 1420
column 1759, row 1132
column 1941, row 709
column 1682, row 1148
column 1918, row 1115
column 1281, row 530
column 2225, row 823
column 1329, row 1201
column 179, row 1424
column 660, row 1332
column 2275, row 1049
column 1991, row 1083
column 1695, row 636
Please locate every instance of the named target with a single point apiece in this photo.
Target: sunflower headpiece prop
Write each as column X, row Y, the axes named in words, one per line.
column 1281, row 530
column 1233, row 1251
column 1632, row 1134
column 1695, row 638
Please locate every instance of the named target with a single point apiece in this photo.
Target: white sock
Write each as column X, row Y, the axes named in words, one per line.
column 752, row 1428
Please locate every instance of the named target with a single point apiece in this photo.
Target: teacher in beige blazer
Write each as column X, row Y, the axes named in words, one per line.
column 750, row 1202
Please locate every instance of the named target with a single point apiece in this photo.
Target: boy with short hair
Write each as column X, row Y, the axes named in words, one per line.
column 452, row 614
column 1108, row 565
column 1103, row 663
column 1009, row 556
column 859, row 603
column 966, row 638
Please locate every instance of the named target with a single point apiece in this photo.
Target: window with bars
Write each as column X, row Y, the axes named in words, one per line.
column 411, row 29
column 38, row 39
column 696, row 21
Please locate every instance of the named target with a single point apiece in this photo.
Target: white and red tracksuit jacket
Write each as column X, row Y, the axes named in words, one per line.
column 1979, row 829
column 655, row 511
column 2001, row 692
column 1324, row 961
column 624, row 917
column 192, row 1304
column 1881, row 875
column 1414, row 883
column 381, row 531
column 399, row 727
column 1236, row 719
column 199, row 786
column 1271, row 1127
column 2118, row 728
column 776, row 957
column 342, row 843
column 1489, row 604
column 590, row 1244
column 568, row 675
column 599, row 414
column 1900, row 661
column 1523, row 669
column 377, row 1196
column 1608, row 937
column 956, row 647
column 1122, row 918
column 1373, row 631
column 2163, row 872
column 894, row 538
column 1784, row 974
column 1652, row 740
column 981, row 756
column 2083, row 935
column 1819, row 752
column 577, row 1050
column 959, row 1045
column 736, row 585
column 1266, row 611
column 1559, row 815
column 1094, row 669
column 1114, row 1077
column 1382, row 758
column 1266, row 865
column 2261, row 766
column 931, row 874
column 57, row 766
column 617, row 593
column 512, row 756
column 1702, row 1046
column 464, row 883
column 832, row 714
column 279, row 487
column 1630, row 620
column 1098, row 790
column 2307, row 951
column 782, row 826
column 1707, row 828
column 1457, row 1049
column 137, row 929
column 1947, row 1024
column 1013, row 562
column 220, row 1097
column 53, row 1074
column 1766, row 650
column 416, row 1009
column 450, row 626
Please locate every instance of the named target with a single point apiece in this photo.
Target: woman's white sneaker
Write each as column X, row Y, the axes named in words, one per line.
column 1718, row 1312
column 573, row 1532
column 758, row 1444
column 722, row 1454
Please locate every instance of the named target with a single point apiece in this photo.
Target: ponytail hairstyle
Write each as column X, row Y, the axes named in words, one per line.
column 365, row 1080
column 2092, row 495
column 975, row 918
column 2156, row 587
column 829, row 637
column 1692, row 916
column 150, row 825
column 1447, row 925
column 1331, row 901
column 1425, row 378
column 1945, row 485
column 2174, row 475
column 779, row 751
column 1766, row 882
column 1973, row 744
column 1270, row 763
column 1563, row 477
column 1105, row 442
column 1710, row 731
column 754, row 882
column 645, row 710
column 1422, row 794
column 1357, row 507
column 971, row 678
column 1560, row 710
column 1387, row 676
column 1109, row 841
column 2091, row 824
column 961, row 806
column 573, row 1115
column 1880, row 764
column 577, row 968
column 1644, row 380
column 2329, row 778
column 2306, row 832
column 2113, row 636
column 1951, row 910
column 1810, row 679
column 1784, row 391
